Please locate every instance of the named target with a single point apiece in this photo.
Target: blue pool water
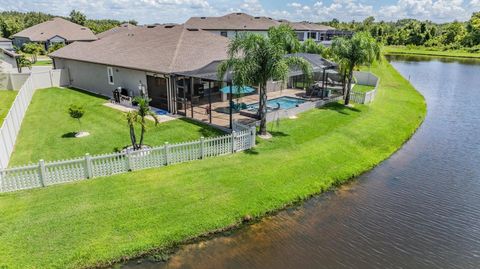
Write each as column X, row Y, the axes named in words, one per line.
column 285, row 102
column 159, row 111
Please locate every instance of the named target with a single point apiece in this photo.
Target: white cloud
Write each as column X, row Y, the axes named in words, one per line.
column 149, row 11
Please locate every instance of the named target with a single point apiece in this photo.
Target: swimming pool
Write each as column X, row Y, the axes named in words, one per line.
column 159, row 111
column 284, row 102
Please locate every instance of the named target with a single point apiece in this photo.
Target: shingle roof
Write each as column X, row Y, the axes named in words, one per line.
column 162, row 49
column 242, row 21
column 121, row 28
column 57, row 27
column 233, row 21
column 307, row 26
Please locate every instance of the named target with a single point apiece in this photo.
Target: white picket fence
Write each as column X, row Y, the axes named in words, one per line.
column 363, row 97
column 87, row 167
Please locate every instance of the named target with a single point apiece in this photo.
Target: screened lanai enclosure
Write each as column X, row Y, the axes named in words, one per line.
column 327, row 81
column 200, row 95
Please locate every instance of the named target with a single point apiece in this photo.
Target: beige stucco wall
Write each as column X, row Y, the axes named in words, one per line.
column 94, row 78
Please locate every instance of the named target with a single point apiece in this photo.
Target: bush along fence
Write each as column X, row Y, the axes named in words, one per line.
column 365, row 78
column 50, row 173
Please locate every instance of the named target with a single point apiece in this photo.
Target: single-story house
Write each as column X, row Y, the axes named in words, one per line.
column 5, row 43
column 143, row 60
column 56, row 30
column 231, row 24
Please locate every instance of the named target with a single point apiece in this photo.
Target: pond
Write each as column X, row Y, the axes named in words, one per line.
column 419, row 209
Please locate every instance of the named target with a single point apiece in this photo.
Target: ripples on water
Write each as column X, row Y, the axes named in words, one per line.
column 419, row 209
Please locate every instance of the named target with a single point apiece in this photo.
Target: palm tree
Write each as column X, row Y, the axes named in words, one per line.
column 254, row 60
column 142, row 112
column 310, row 46
column 285, row 37
column 131, row 119
column 138, row 116
column 361, row 49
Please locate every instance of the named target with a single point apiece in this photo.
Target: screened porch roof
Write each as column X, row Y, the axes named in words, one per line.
column 209, row 72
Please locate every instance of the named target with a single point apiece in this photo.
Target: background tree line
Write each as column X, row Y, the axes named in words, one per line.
column 412, row 32
column 12, row 22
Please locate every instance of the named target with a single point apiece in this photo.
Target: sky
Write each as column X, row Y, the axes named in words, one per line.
column 177, row 11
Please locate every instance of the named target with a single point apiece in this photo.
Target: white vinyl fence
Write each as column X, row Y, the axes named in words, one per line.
column 365, row 78
column 12, row 122
column 50, row 173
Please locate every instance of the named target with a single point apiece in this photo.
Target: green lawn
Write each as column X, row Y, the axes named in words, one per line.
column 429, row 52
column 42, row 63
column 102, row 220
column 362, row 88
column 47, row 129
column 6, row 100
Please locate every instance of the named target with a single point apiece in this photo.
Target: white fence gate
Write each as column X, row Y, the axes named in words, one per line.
column 50, row 173
column 12, row 122
column 365, row 78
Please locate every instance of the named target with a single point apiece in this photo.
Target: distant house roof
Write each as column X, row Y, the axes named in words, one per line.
column 3, row 39
column 57, row 27
column 162, row 49
column 242, row 21
column 317, row 62
column 121, row 28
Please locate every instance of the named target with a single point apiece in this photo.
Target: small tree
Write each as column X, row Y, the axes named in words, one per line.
column 34, row 49
column 76, row 112
column 22, row 61
column 55, row 46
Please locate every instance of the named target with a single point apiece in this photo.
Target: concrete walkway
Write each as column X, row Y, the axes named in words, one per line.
column 160, row 118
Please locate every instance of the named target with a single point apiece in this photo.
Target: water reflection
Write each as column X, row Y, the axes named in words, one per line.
column 419, row 209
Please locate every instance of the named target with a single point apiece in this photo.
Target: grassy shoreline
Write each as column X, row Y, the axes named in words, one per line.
column 101, row 221
column 402, row 50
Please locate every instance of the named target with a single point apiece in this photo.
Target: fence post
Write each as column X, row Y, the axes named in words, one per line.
column 2, row 178
column 88, row 165
column 43, row 172
column 253, row 133
column 128, row 159
column 233, row 141
column 202, row 147
column 167, row 161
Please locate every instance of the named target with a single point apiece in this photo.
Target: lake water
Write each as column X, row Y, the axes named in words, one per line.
column 419, row 209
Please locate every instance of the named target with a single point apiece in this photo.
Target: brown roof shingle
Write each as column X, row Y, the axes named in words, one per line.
column 233, row 21
column 57, row 27
column 121, row 28
column 242, row 21
column 162, row 49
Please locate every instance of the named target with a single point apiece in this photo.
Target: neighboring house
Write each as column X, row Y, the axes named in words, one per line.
column 231, row 24
column 140, row 58
column 56, row 30
column 121, row 28
column 5, row 43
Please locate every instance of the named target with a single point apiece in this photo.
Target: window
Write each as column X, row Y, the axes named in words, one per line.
column 300, row 36
column 312, row 35
column 225, row 34
column 110, row 75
